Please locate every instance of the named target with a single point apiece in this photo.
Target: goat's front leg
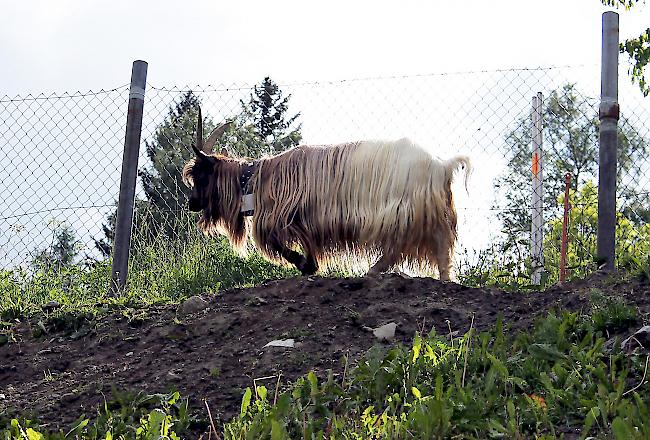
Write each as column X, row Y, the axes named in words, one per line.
column 306, row 266
column 311, row 265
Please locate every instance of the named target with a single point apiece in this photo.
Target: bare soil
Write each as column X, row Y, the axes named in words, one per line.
column 217, row 351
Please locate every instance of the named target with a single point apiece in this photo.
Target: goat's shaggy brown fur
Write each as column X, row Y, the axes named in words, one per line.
column 391, row 200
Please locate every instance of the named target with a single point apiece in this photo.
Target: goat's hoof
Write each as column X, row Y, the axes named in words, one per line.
column 308, row 267
column 310, row 270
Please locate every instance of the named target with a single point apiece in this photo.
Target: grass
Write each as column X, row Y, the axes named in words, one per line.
column 127, row 416
column 160, row 272
column 559, row 379
column 167, row 271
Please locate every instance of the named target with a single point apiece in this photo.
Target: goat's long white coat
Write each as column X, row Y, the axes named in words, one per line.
column 371, row 198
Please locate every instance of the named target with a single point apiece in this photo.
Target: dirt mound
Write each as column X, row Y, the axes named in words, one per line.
column 212, row 347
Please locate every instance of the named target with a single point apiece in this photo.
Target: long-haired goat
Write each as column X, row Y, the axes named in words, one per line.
column 389, row 199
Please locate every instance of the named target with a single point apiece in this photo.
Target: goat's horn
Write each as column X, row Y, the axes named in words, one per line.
column 214, row 136
column 199, row 132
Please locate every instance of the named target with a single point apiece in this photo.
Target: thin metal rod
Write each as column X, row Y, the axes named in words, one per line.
column 537, row 214
column 126, row 201
column 564, row 247
column 608, row 115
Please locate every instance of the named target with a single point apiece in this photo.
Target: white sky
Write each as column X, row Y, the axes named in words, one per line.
column 69, row 45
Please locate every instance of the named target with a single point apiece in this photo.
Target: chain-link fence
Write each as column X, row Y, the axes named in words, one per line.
column 61, row 157
column 60, row 167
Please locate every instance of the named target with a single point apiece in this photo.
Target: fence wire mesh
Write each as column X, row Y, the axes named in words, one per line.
column 60, row 166
column 61, row 159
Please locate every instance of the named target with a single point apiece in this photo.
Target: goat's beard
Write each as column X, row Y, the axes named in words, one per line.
column 222, row 217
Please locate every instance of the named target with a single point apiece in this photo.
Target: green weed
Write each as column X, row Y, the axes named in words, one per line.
column 611, row 314
column 161, row 271
column 556, row 379
column 129, row 416
column 540, row 384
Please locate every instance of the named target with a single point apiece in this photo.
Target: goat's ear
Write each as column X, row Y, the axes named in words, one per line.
column 201, row 155
column 224, row 151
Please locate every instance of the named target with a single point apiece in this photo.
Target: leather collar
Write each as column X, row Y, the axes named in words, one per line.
column 247, row 170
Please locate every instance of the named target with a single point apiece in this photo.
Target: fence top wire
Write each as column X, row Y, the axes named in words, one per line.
column 239, row 87
column 63, row 208
column 224, row 88
column 61, row 95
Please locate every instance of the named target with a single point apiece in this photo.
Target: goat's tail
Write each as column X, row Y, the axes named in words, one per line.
column 452, row 165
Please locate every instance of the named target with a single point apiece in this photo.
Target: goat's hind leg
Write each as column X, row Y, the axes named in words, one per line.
column 443, row 260
column 386, row 262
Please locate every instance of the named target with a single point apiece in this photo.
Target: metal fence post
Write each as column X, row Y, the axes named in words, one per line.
column 126, row 201
column 608, row 114
column 537, row 217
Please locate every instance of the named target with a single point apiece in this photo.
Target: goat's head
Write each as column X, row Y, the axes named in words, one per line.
column 199, row 172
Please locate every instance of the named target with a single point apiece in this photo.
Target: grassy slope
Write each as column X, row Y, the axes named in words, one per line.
column 563, row 379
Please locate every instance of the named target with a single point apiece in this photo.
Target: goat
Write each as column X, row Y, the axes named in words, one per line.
column 390, row 200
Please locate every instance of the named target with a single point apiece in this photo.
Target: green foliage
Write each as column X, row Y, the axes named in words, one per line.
column 265, row 115
column 532, row 385
column 571, row 142
column 169, row 150
column 62, row 250
column 23, row 292
column 641, row 266
column 632, row 241
column 139, row 416
column 625, row 4
column 493, row 267
column 165, row 193
column 162, row 271
column 571, row 145
column 263, row 126
column 172, row 270
column 510, row 268
column 611, row 314
column 638, row 50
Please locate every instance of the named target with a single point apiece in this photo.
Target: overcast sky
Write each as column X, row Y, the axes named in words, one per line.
column 69, row 45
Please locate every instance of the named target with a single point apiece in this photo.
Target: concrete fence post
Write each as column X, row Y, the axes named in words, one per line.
column 608, row 114
column 124, row 221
